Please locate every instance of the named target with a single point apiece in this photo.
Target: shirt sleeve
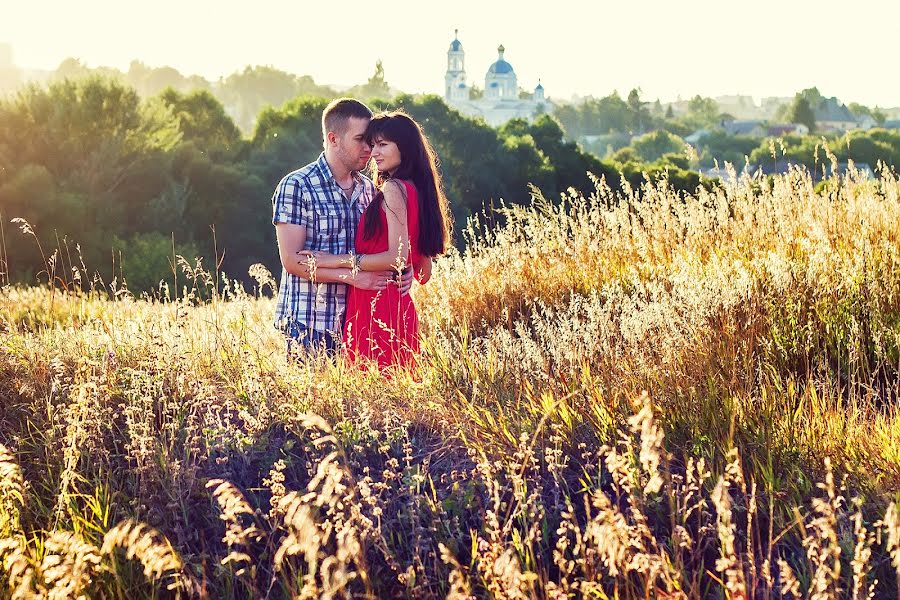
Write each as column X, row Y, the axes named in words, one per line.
column 291, row 203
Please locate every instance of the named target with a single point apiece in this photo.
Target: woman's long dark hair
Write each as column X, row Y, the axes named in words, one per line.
column 418, row 164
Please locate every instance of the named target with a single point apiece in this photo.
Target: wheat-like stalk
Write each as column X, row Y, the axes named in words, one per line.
column 862, row 559
column 239, row 535
column 69, row 566
column 22, row 577
column 822, row 546
column 729, row 563
column 12, row 493
column 154, row 551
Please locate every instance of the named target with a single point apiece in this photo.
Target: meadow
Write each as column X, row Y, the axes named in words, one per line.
column 634, row 394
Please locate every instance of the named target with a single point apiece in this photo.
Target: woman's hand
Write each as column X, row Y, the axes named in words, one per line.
column 322, row 260
column 423, row 270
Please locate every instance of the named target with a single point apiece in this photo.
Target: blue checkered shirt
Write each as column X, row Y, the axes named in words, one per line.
column 312, row 198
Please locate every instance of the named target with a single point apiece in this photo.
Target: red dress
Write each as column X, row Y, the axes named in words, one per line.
column 383, row 326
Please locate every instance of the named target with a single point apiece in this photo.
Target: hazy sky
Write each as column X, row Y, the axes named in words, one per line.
column 761, row 48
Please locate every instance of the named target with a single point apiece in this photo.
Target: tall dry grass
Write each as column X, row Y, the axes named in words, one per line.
column 634, row 395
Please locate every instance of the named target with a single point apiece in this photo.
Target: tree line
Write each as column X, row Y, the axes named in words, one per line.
column 127, row 182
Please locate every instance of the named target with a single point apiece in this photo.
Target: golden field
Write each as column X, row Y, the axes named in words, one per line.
column 629, row 395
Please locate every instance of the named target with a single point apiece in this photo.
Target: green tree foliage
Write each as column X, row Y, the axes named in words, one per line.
column 96, row 141
column 702, row 113
column 870, row 147
column 719, row 147
column 248, row 92
column 609, row 114
column 639, row 116
column 88, row 160
column 149, row 81
column 653, row 146
column 202, row 120
column 375, row 88
column 147, row 260
column 801, row 112
column 570, row 165
column 860, row 110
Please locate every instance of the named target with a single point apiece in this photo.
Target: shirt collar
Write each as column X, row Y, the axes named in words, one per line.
column 329, row 176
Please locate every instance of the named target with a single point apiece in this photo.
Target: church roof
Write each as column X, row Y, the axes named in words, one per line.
column 455, row 45
column 500, row 67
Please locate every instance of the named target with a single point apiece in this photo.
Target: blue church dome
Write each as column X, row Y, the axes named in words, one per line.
column 455, row 45
column 500, row 67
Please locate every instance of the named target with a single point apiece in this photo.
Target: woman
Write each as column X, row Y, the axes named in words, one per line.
column 406, row 224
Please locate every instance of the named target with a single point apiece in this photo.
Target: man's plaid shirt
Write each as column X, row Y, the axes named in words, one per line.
column 312, row 198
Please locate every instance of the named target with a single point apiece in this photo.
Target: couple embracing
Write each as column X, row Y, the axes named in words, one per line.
column 350, row 246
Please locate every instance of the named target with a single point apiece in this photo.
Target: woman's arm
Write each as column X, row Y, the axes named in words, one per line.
column 397, row 254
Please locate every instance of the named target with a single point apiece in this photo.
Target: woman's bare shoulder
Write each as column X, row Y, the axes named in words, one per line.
column 394, row 187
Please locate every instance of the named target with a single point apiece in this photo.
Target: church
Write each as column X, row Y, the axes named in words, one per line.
column 500, row 100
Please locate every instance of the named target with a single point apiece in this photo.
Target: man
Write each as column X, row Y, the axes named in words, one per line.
column 318, row 207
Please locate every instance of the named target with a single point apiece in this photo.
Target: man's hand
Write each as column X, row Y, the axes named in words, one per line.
column 372, row 280
column 404, row 281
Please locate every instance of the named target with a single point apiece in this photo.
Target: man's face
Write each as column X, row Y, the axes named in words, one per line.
column 352, row 149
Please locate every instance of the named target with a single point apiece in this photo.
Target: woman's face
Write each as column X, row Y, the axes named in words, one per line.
column 386, row 155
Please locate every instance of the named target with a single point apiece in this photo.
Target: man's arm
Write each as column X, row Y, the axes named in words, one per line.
column 292, row 238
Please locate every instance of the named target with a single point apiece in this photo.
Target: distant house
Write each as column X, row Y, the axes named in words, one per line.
column 752, row 128
column 770, row 105
column 866, row 122
column 781, row 167
column 721, row 172
column 698, row 135
column 843, row 168
column 892, row 124
column 741, row 107
column 831, row 115
column 784, row 129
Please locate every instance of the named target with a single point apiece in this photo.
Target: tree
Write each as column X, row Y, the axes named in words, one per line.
column 702, row 112
column 860, row 110
column 802, row 112
column 246, row 93
column 92, row 150
column 640, row 116
column 203, row 120
column 812, row 96
column 375, row 87
column 70, row 68
column 652, row 146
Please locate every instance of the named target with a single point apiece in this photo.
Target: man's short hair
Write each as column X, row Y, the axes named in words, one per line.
column 339, row 111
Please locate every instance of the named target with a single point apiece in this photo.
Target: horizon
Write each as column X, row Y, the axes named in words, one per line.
column 570, row 58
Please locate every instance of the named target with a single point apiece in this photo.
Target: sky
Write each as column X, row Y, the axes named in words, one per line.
column 667, row 49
